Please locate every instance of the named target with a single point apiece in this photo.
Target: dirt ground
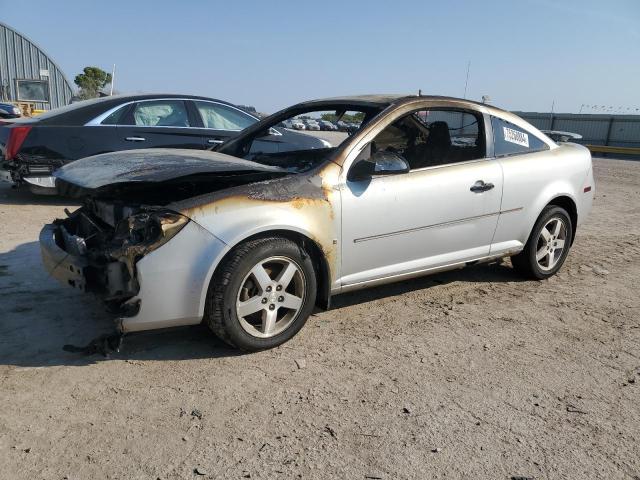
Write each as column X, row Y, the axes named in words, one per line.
column 470, row 374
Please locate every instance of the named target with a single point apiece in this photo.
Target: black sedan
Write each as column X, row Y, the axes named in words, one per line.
column 8, row 110
column 32, row 148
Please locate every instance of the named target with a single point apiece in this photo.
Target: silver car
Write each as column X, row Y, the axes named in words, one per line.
column 251, row 241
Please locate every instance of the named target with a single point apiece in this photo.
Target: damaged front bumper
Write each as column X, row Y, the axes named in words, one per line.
column 66, row 268
column 168, row 287
column 64, row 256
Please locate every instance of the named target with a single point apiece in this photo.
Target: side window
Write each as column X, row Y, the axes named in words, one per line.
column 116, row 117
column 221, row 117
column 428, row 138
column 509, row 139
column 161, row 113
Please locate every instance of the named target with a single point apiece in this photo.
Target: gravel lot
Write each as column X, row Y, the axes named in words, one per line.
column 470, row 374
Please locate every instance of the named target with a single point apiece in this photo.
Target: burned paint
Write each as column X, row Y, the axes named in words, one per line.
column 301, row 203
column 152, row 165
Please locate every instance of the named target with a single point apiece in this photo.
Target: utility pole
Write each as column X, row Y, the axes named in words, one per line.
column 466, row 82
column 113, row 79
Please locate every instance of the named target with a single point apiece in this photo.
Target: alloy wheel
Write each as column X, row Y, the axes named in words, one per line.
column 270, row 297
column 551, row 243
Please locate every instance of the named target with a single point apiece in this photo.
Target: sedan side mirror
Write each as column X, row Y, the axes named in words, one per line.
column 380, row 163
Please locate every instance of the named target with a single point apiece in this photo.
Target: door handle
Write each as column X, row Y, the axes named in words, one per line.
column 135, row 139
column 215, row 141
column 480, row 186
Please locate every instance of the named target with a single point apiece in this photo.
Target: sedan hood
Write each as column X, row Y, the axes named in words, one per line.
column 153, row 166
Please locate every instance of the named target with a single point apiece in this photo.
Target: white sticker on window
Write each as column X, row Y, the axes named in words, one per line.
column 515, row 136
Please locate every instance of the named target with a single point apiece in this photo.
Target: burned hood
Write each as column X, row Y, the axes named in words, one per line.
column 152, row 166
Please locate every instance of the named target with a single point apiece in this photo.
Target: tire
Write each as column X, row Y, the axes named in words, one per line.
column 239, row 285
column 542, row 256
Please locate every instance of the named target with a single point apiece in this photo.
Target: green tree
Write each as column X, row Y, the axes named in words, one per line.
column 90, row 81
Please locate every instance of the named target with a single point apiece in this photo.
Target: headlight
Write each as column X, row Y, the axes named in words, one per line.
column 16, row 111
column 147, row 231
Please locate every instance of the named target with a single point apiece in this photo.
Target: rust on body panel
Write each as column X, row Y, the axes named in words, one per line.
column 309, row 197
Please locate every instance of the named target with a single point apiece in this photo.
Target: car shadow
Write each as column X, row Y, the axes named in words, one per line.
column 40, row 316
column 481, row 273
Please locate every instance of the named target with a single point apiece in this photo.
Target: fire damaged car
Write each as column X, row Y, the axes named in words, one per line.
column 250, row 241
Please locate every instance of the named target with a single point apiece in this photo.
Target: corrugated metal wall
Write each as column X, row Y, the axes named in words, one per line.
column 612, row 130
column 20, row 58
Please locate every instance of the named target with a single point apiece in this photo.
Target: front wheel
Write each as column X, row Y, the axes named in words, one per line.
column 262, row 294
column 548, row 245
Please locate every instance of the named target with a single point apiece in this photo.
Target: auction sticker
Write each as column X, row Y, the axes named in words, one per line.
column 514, row 136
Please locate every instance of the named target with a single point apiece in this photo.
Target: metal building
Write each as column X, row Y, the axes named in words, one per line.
column 28, row 75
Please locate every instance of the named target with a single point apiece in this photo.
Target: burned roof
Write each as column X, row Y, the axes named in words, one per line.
column 384, row 100
column 381, row 100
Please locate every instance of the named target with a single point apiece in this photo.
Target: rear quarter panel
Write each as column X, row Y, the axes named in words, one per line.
column 533, row 180
column 67, row 143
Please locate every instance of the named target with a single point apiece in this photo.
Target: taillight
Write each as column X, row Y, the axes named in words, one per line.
column 16, row 139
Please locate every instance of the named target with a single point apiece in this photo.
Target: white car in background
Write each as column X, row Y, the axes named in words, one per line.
column 250, row 242
column 311, row 124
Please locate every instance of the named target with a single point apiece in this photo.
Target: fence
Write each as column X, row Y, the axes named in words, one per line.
column 606, row 130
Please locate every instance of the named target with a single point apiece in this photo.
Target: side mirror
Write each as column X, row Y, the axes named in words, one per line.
column 268, row 133
column 380, row 163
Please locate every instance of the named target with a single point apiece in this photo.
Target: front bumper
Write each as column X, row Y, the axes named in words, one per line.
column 173, row 280
column 64, row 267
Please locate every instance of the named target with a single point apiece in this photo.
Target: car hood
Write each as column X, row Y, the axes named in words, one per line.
column 152, row 166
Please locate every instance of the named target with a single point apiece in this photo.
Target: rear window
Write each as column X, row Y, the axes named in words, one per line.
column 509, row 139
column 72, row 107
column 116, row 117
column 222, row 117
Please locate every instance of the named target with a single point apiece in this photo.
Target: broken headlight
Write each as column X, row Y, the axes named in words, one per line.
column 150, row 229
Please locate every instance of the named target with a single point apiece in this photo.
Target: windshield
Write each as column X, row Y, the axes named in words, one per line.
column 303, row 139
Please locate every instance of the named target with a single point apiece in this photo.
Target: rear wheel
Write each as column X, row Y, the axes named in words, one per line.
column 548, row 244
column 262, row 294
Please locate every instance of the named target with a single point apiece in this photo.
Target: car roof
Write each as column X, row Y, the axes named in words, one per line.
column 357, row 100
column 385, row 100
column 79, row 113
column 150, row 96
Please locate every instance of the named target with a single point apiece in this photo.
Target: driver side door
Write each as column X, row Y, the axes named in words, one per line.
column 443, row 211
